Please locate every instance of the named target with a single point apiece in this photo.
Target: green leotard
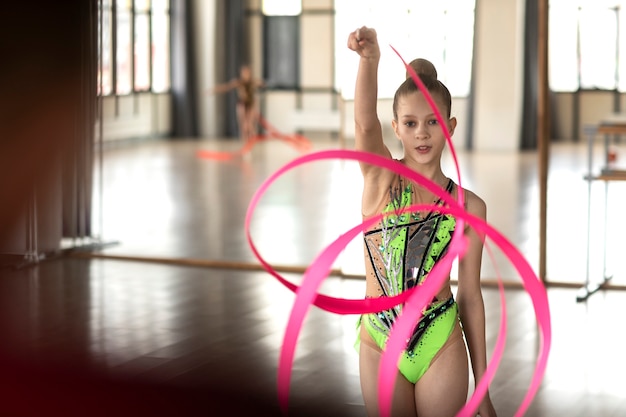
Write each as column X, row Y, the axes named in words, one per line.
column 402, row 250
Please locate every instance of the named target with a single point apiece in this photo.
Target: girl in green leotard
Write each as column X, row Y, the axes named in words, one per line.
column 400, row 251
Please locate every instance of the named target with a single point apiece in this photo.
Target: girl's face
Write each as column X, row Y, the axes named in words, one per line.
column 245, row 72
column 419, row 130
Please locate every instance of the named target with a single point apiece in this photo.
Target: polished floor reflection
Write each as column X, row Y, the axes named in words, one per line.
column 97, row 336
column 107, row 337
column 159, row 199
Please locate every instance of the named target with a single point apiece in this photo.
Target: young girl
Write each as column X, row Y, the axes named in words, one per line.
column 400, row 251
column 246, row 87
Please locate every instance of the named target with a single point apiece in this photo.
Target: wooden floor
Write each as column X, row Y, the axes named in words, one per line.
column 173, row 318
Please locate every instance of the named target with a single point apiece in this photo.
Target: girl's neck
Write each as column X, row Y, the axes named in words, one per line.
column 433, row 173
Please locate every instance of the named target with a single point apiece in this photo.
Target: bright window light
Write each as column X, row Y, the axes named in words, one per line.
column 282, row 7
column 441, row 31
column 581, row 56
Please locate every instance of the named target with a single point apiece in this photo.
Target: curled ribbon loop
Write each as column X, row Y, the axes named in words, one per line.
column 414, row 300
column 306, row 293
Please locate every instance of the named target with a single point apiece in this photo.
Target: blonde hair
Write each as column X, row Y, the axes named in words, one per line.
column 422, row 66
column 427, row 72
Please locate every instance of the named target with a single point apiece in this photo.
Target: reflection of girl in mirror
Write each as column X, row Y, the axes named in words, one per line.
column 246, row 87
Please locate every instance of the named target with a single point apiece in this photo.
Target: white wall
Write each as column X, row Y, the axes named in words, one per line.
column 594, row 106
column 498, row 74
column 205, row 21
column 135, row 116
column 316, row 36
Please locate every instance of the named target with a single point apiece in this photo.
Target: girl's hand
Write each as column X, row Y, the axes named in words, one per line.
column 364, row 42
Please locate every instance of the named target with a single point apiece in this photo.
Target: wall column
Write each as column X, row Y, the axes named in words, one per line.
column 498, row 94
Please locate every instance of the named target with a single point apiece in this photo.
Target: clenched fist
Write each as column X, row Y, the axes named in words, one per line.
column 364, row 42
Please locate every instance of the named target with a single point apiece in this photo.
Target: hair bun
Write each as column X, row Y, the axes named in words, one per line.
column 422, row 67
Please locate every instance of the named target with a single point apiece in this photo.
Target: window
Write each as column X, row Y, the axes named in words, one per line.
column 142, row 45
column 160, row 46
column 584, row 46
column 281, row 55
column 133, row 46
column 105, row 49
column 123, row 53
column 441, row 31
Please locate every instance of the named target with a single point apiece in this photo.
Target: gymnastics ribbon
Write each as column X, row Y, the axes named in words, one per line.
column 320, row 269
column 301, row 143
column 414, row 301
column 533, row 286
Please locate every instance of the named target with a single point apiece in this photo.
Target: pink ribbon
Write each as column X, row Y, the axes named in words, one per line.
column 306, row 293
column 414, row 301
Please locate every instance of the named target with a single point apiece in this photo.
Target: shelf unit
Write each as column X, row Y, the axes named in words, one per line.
column 607, row 130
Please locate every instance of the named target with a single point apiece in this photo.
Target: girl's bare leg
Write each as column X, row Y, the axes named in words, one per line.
column 250, row 117
column 442, row 390
column 249, row 123
column 241, row 120
column 404, row 396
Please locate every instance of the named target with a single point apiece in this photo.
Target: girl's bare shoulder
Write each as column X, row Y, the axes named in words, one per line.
column 474, row 204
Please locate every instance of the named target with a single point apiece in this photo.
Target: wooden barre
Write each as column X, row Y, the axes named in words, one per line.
column 612, row 128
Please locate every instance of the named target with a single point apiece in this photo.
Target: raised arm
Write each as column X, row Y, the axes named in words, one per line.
column 368, row 131
column 222, row 88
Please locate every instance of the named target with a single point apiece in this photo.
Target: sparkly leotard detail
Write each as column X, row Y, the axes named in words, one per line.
column 402, row 250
